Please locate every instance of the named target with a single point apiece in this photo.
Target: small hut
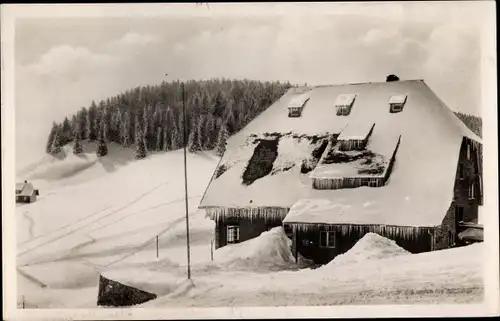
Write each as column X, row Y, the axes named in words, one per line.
column 26, row 193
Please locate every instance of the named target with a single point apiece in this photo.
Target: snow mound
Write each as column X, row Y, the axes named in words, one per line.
column 371, row 247
column 270, row 250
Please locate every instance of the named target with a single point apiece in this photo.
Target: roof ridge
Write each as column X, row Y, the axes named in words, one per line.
column 363, row 83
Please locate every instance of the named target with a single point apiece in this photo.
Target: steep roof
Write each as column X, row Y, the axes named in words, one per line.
column 431, row 137
column 27, row 189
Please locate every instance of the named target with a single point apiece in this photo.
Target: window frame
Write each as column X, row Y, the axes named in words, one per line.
column 329, row 236
column 236, row 235
column 294, row 112
column 344, row 110
column 396, row 107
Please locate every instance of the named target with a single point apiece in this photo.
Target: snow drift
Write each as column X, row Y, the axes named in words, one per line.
column 370, row 247
column 270, row 250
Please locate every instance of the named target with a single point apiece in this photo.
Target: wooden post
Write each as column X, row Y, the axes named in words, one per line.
column 157, row 250
column 23, row 301
column 212, row 249
column 185, row 182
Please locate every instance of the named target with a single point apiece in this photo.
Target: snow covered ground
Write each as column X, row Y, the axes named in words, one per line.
column 98, row 216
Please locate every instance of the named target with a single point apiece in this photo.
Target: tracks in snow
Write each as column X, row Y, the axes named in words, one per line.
column 79, row 228
column 31, row 224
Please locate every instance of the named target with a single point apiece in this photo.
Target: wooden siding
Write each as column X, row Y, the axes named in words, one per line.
column 269, row 213
column 355, row 144
column 248, row 228
column 306, row 238
column 347, row 182
column 446, row 234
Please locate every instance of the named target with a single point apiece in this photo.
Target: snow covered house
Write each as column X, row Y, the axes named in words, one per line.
column 26, row 193
column 386, row 157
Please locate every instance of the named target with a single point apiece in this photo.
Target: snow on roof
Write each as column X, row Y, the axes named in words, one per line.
column 26, row 189
column 431, row 137
column 382, row 155
column 279, row 188
column 356, row 132
column 397, row 99
column 344, row 100
column 298, row 100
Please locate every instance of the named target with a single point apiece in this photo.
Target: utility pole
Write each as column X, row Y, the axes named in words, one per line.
column 185, row 182
column 157, row 250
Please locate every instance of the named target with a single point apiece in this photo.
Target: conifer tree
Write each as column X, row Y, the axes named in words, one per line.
column 77, row 147
column 166, row 142
column 194, row 138
column 221, row 141
column 74, row 124
column 140, row 150
column 208, row 134
column 50, row 139
column 90, row 129
column 104, row 125
column 175, row 140
column 158, row 139
column 56, row 143
column 102, row 148
column 125, row 130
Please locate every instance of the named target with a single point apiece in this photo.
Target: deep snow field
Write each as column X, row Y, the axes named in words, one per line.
column 102, row 216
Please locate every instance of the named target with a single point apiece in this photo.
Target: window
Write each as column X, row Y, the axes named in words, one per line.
column 396, row 108
column 294, row 111
column 373, row 182
column 343, row 111
column 461, row 171
column 344, row 104
column 326, row 239
column 296, row 105
column 396, row 103
column 233, row 234
column 459, row 213
column 471, row 191
column 468, row 151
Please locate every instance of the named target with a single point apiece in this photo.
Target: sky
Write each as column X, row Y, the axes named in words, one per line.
column 62, row 63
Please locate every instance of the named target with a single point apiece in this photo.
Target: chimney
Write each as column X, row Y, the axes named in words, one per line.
column 392, row 77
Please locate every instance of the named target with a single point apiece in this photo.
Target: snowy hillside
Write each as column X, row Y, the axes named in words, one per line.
column 102, row 216
column 92, row 213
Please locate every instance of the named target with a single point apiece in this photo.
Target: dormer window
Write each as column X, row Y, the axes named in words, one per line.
column 344, row 103
column 396, row 103
column 296, row 105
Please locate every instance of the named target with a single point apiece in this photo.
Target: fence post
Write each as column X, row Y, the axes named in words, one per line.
column 157, row 250
column 212, row 249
